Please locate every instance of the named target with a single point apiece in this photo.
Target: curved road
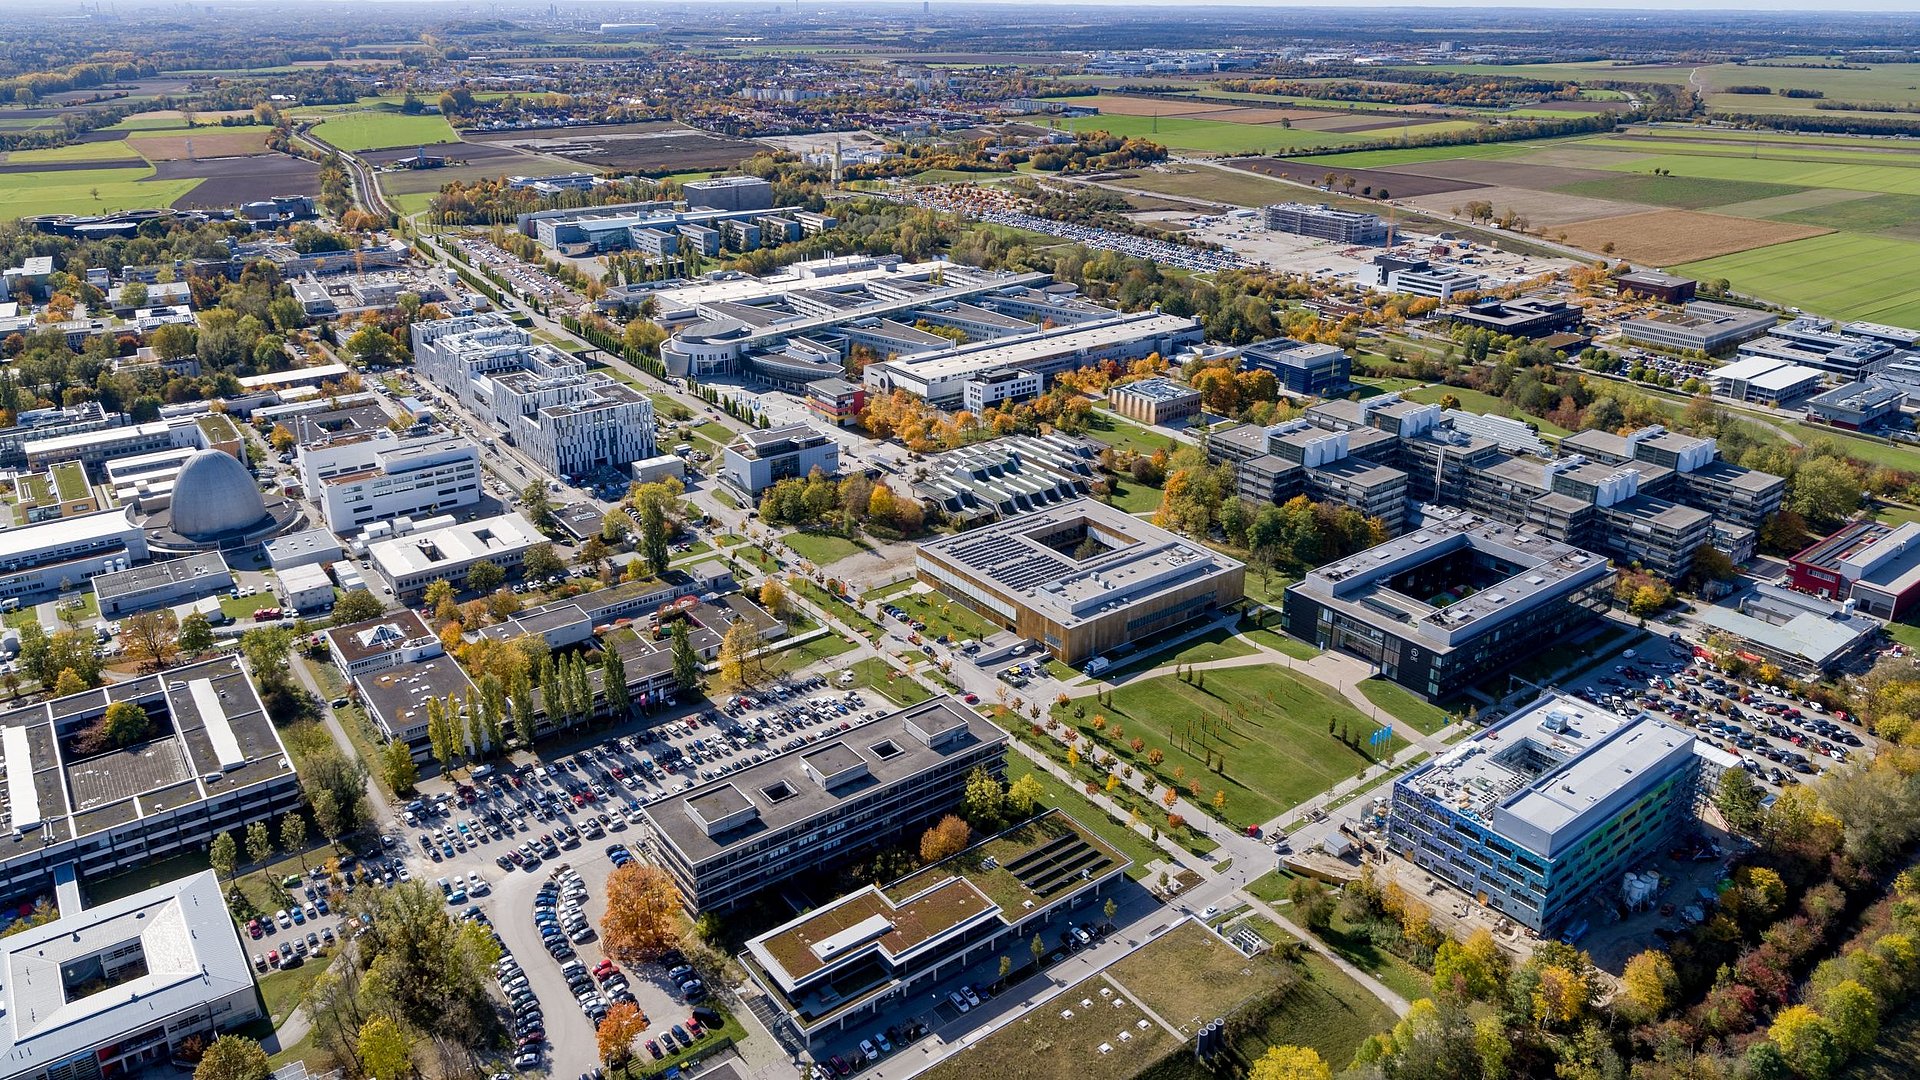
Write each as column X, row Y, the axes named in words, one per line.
column 366, row 190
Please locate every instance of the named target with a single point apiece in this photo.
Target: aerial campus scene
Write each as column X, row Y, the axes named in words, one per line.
column 774, row 541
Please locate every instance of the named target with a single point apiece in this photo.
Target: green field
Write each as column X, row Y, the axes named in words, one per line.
column 1406, row 706
column 1792, row 171
column 1898, row 215
column 945, row 619
column 1847, row 275
column 1213, row 136
column 412, row 203
column 1679, row 192
column 117, row 150
column 1123, row 434
column 1270, row 724
column 821, row 548
column 373, row 130
column 1367, row 159
column 87, row 191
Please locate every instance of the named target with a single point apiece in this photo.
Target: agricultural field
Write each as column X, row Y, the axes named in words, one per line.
column 1670, row 237
column 373, row 130
column 1840, row 274
column 88, row 191
column 1213, row 136
column 103, row 152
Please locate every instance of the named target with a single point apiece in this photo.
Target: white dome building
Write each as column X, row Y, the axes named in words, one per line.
column 213, row 496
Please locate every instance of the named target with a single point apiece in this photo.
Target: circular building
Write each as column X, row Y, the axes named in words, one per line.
column 216, row 504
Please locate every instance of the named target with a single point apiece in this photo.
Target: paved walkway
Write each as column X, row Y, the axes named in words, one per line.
column 1393, row 1001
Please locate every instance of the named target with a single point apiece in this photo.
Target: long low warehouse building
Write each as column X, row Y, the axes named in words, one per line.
column 941, row 377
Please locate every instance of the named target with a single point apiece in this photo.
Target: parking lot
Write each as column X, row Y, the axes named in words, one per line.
column 1781, row 739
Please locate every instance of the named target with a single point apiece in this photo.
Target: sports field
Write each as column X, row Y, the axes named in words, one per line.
column 87, row 191
column 1213, row 136
column 372, row 130
column 1847, row 275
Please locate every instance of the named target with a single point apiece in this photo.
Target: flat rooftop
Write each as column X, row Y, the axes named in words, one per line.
column 380, row 634
column 780, row 791
column 211, row 736
column 159, row 575
column 1815, row 630
column 1157, row 390
column 1501, row 570
column 1553, row 771
column 469, row 542
column 179, row 949
column 1080, row 560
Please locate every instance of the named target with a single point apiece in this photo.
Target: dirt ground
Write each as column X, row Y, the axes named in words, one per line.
column 234, row 180
column 1538, row 207
column 1667, row 237
column 207, row 144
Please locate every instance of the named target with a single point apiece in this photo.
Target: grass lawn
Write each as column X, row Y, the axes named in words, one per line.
column 1126, row 435
column 839, row 608
column 792, row 659
column 1271, row 886
column 822, row 548
column 1325, row 1010
column 1189, row 974
column 1063, row 1041
column 1218, row 644
column 1135, row 497
column 890, row 589
column 1839, row 274
column 884, row 679
column 1357, row 949
column 1117, row 833
column 88, row 191
column 376, row 129
column 1905, row 633
column 946, row 620
column 1279, row 642
column 413, row 202
column 284, row 990
column 1405, row 705
column 1269, row 723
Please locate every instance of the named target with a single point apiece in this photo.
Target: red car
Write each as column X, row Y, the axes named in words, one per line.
column 603, row 969
column 253, row 929
column 971, row 699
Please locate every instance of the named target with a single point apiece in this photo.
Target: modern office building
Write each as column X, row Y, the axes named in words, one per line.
column 797, row 812
column 122, row 987
column 1010, row 475
column 1764, row 380
column 729, row 193
column 1806, row 637
column 1298, row 457
column 569, row 420
column 940, row 373
column 396, row 699
column 1081, row 578
column 832, row 971
column 1551, row 807
column 757, row 460
column 1702, row 327
column 47, row 423
column 836, row 401
column 1654, row 285
column 161, row 584
column 1451, row 603
column 1528, row 316
column 1325, row 223
column 1875, row 566
column 213, row 764
column 384, row 641
column 1308, row 369
column 363, row 478
column 1434, row 282
column 411, row 562
column 1002, row 387
column 1840, row 353
column 57, row 555
column 1857, row 406
column 1155, row 401
column 1700, row 478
